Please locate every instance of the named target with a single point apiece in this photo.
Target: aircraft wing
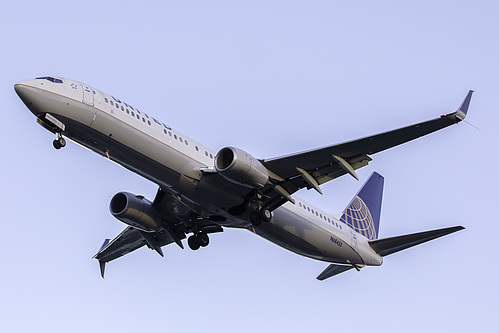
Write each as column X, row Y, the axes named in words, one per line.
column 315, row 167
column 173, row 230
column 132, row 239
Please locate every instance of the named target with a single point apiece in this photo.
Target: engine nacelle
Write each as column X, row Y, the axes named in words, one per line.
column 239, row 167
column 135, row 211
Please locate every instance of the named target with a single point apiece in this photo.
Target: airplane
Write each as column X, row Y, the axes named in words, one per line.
column 201, row 191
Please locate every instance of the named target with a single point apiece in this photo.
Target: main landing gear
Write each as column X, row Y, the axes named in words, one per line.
column 59, row 142
column 262, row 214
column 198, row 240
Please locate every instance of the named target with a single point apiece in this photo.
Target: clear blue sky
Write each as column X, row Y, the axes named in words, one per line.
column 270, row 77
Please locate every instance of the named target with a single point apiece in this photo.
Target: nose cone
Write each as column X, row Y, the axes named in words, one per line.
column 24, row 90
column 27, row 92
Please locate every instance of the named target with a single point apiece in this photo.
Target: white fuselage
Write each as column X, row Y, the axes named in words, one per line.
column 174, row 162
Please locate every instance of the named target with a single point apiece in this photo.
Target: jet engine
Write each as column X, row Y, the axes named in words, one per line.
column 239, row 167
column 136, row 211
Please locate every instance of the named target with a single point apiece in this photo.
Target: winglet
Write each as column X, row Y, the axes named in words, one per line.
column 463, row 109
column 106, row 241
column 102, row 265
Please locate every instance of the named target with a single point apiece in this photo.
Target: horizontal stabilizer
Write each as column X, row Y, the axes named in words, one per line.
column 387, row 246
column 333, row 270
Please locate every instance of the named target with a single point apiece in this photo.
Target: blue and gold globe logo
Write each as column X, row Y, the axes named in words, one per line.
column 359, row 218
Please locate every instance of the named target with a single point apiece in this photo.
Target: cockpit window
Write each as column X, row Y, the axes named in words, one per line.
column 51, row 79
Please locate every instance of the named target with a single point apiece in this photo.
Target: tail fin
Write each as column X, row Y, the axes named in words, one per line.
column 363, row 212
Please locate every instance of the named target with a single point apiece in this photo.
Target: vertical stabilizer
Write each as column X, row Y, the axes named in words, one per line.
column 364, row 211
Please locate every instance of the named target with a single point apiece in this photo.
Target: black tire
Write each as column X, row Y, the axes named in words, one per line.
column 193, row 243
column 255, row 219
column 202, row 239
column 56, row 144
column 265, row 214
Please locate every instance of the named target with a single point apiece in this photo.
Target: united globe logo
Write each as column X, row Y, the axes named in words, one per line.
column 359, row 218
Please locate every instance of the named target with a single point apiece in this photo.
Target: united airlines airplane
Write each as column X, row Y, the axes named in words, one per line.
column 201, row 191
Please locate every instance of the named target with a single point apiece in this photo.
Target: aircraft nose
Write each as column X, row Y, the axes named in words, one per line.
column 25, row 90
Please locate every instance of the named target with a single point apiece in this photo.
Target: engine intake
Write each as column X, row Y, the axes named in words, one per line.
column 136, row 211
column 239, row 167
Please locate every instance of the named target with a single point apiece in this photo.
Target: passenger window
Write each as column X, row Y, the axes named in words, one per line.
column 149, row 122
column 127, row 111
column 122, row 108
column 133, row 114
column 143, row 119
column 206, row 153
column 175, row 136
column 186, row 143
column 138, row 117
column 106, row 100
column 197, row 149
column 164, row 131
column 112, row 103
column 180, row 139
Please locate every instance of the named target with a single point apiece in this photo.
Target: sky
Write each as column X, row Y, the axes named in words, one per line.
column 272, row 78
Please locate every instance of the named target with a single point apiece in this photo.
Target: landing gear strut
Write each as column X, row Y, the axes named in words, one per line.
column 59, row 142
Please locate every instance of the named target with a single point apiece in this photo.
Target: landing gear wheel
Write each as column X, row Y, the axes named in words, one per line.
column 193, row 243
column 62, row 142
column 202, row 239
column 255, row 218
column 59, row 143
column 56, row 144
column 265, row 214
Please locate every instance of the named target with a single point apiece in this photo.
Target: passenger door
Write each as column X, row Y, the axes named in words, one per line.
column 88, row 94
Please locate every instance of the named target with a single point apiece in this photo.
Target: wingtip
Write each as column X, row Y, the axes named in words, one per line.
column 463, row 108
column 102, row 266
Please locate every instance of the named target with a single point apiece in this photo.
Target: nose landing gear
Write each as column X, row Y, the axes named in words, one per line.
column 59, row 142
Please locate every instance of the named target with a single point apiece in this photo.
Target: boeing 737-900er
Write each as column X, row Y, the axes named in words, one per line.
column 201, row 191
